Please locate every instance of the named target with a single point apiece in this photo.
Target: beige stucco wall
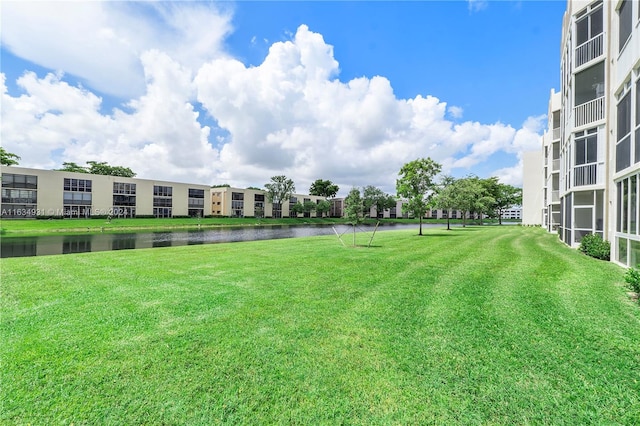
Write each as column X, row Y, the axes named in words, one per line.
column 532, row 194
column 51, row 190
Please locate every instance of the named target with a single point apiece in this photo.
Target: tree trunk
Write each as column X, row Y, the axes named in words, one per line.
column 354, row 235
column 420, row 225
column 448, row 224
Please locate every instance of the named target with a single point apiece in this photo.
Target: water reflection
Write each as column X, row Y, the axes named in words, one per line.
column 68, row 244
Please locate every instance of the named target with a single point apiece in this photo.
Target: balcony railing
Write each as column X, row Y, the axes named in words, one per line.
column 589, row 112
column 556, row 133
column 589, row 50
column 585, row 175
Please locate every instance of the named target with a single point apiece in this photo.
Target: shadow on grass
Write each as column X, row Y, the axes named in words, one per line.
column 445, row 234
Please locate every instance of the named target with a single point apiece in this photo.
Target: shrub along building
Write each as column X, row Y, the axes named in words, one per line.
column 591, row 150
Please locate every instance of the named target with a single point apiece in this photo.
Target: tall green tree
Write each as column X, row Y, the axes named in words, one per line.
column 471, row 197
column 279, row 190
column 98, row 168
column 375, row 197
column 354, row 209
column 102, row 168
column 323, row 188
column 308, row 207
column 296, row 209
column 323, row 207
column 445, row 197
column 73, row 167
column 8, row 158
column 416, row 184
column 505, row 197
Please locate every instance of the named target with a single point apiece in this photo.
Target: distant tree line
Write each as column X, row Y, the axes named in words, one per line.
column 97, row 168
column 416, row 185
column 8, row 158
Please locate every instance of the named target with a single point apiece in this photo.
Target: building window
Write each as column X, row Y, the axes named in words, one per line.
column 622, row 250
column 633, row 204
column 589, row 26
column 196, row 202
column 586, row 147
column 237, row 204
column 637, row 141
column 258, row 206
column 160, row 212
column 78, row 185
column 196, row 193
column 627, row 205
column 162, row 201
column 586, row 157
column 124, row 199
column 77, row 198
column 625, row 24
column 162, row 191
column 623, row 146
column 10, row 180
column 589, row 40
column 589, row 84
column 124, row 188
column 19, row 196
column 618, row 207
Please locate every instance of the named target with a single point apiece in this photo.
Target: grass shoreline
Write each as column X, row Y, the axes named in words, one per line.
column 482, row 325
column 35, row 227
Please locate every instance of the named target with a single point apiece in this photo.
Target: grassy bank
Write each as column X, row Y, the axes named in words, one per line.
column 23, row 227
column 493, row 325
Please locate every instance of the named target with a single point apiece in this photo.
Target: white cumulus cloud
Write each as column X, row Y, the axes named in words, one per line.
column 291, row 114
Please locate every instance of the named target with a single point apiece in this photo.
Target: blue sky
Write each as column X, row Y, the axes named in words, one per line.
column 239, row 92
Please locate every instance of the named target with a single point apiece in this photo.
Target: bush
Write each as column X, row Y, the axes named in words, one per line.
column 632, row 277
column 593, row 245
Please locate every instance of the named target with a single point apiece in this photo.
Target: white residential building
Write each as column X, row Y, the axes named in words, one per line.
column 591, row 151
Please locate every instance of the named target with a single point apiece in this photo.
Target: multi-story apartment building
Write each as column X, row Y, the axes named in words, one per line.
column 32, row 193
column 238, row 202
column 551, row 166
column 591, row 149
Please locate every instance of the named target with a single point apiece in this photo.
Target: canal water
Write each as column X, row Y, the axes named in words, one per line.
column 82, row 243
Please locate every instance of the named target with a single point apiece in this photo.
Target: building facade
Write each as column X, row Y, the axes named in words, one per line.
column 32, row 193
column 238, row 202
column 591, row 148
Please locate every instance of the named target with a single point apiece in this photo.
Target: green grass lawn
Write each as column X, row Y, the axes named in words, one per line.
column 482, row 325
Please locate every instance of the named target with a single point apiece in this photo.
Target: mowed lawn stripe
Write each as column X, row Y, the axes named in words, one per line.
column 495, row 325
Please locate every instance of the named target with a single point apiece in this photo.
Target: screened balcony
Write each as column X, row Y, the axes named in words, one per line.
column 589, row 95
column 590, row 50
column 589, row 35
column 585, row 175
column 589, row 112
